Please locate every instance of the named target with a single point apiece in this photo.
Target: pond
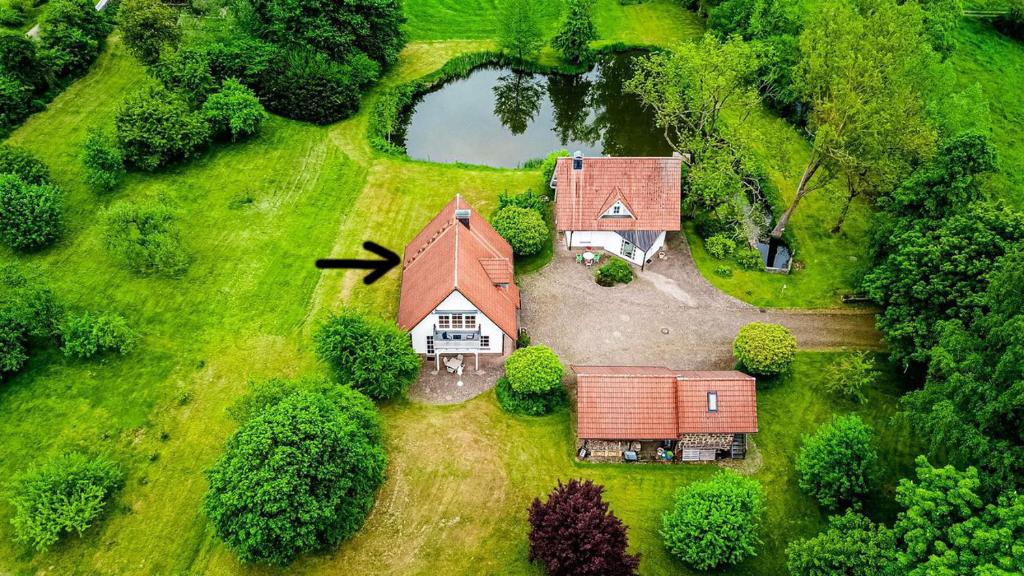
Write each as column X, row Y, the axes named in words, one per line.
column 500, row 117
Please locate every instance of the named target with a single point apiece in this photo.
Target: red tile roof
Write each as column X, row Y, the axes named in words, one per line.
column 654, row 403
column 447, row 256
column 648, row 187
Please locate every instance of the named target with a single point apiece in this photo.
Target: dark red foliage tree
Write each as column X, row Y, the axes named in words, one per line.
column 574, row 534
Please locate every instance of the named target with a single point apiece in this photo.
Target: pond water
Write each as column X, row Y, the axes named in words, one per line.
column 500, row 117
column 774, row 253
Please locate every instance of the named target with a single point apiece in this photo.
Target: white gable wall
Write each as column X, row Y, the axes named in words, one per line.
column 456, row 302
column 610, row 242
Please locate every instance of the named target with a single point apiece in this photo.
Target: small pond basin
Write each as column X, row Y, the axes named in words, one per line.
column 774, row 253
column 499, row 117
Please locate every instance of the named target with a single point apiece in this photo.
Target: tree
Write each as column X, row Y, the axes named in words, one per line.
column 71, row 34
column 941, row 21
column 947, row 528
column 307, row 85
column 63, row 495
column 577, row 31
column 18, row 57
column 85, row 335
column 864, row 72
column 523, row 228
column 373, row 356
column 299, row 476
column 234, row 111
column 15, row 101
column 148, row 27
column 31, row 215
column 517, row 99
column 28, row 310
column 534, row 369
column 850, row 374
column 145, row 239
column 755, row 19
column 187, row 72
column 519, row 30
column 23, row 164
column 690, row 86
column 155, row 127
column 853, row 545
column 715, row 522
column 764, row 349
column 574, row 533
column 370, row 27
column 838, row 465
column 103, row 160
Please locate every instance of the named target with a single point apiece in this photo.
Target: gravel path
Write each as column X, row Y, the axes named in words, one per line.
column 668, row 316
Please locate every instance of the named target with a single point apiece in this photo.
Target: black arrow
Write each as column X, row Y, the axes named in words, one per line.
column 379, row 267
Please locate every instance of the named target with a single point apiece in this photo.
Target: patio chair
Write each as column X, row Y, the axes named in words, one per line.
column 579, row 258
column 597, row 257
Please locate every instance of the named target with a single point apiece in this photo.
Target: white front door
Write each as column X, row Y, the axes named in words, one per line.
column 628, row 249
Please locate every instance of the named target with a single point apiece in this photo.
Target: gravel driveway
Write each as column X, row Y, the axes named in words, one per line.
column 587, row 324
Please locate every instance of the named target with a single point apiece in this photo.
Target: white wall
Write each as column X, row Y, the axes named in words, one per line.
column 456, row 302
column 610, row 242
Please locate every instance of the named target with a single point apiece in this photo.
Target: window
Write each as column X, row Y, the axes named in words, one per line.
column 470, row 321
column 444, row 322
column 457, row 321
column 485, row 341
column 430, row 345
column 712, row 401
column 628, row 250
column 616, row 210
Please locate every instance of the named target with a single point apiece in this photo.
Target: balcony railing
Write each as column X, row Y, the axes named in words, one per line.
column 451, row 339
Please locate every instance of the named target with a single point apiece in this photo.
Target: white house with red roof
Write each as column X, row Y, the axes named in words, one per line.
column 700, row 415
column 458, row 295
column 624, row 206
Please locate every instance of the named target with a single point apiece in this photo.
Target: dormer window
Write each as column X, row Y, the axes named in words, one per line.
column 618, row 210
column 712, row 401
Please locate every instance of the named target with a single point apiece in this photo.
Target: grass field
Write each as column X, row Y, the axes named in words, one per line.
column 255, row 215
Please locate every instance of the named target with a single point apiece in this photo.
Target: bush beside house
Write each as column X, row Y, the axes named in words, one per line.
column 373, row 356
column 523, row 228
column 764, row 349
column 532, row 384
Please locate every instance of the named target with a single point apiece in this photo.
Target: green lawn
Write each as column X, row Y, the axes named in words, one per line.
column 255, row 215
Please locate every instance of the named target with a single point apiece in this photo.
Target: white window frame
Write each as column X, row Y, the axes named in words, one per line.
column 469, row 321
column 712, row 401
column 485, row 341
column 444, row 322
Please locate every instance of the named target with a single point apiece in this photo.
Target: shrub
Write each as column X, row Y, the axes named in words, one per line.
column 187, row 72
column 85, row 335
column 530, row 200
column 616, row 271
column 764, row 349
column 534, row 370
column 63, row 495
column 850, row 374
column 574, row 534
column 247, row 59
column 18, row 57
column 10, row 17
column 307, row 85
column 837, row 465
column 156, row 127
column 724, row 271
column 234, row 111
column 23, row 164
column 524, row 229
column 1012, row 23
column 749, row 259
column 147, row 28
column 71, row 34
column 373, row 356
column 720, row 246
column 523, row 339
column 853, row 545
column 715, row 522
column 27, row 310
column 31, row 216
column 528, row 403
column 15, row 101
column 103, row 160
column 577, row 31
column 145, row 238
column 547, row 170
column 299, row 476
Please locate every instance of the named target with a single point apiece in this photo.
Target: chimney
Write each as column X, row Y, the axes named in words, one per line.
column 577, row 160
column 462, row 215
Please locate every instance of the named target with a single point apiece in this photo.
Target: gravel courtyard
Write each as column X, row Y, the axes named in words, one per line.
column 668, row 316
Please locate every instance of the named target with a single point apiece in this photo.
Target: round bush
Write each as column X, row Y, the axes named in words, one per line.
column 528, row 403
column 838, row 464
column 145, row 239
column 234, row 111
column 749, row 259
column 103, row 161
column 27, row 310
column 155, row 127
column 764, row 349
column 86, row 335
column 373, row 356
column 522, row 228
column 534, row 370
column 148, row 27
column 23, row 164
column 715, row 522
column 31, row 216
column 15, row 101
column 62, row 496
column 307, row 85
column 720, row 246
column 614, row 272
column 299, row 476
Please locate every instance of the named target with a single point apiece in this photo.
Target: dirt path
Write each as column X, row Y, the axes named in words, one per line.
column 669, row 315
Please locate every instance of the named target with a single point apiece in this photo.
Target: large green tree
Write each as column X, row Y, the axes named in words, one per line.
column 838, row 464
column 148, row 27
column 853, row 545
column 519, row 28
column 577, row 31
column 864, row 71
column 301, row 473
column 371, row 355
